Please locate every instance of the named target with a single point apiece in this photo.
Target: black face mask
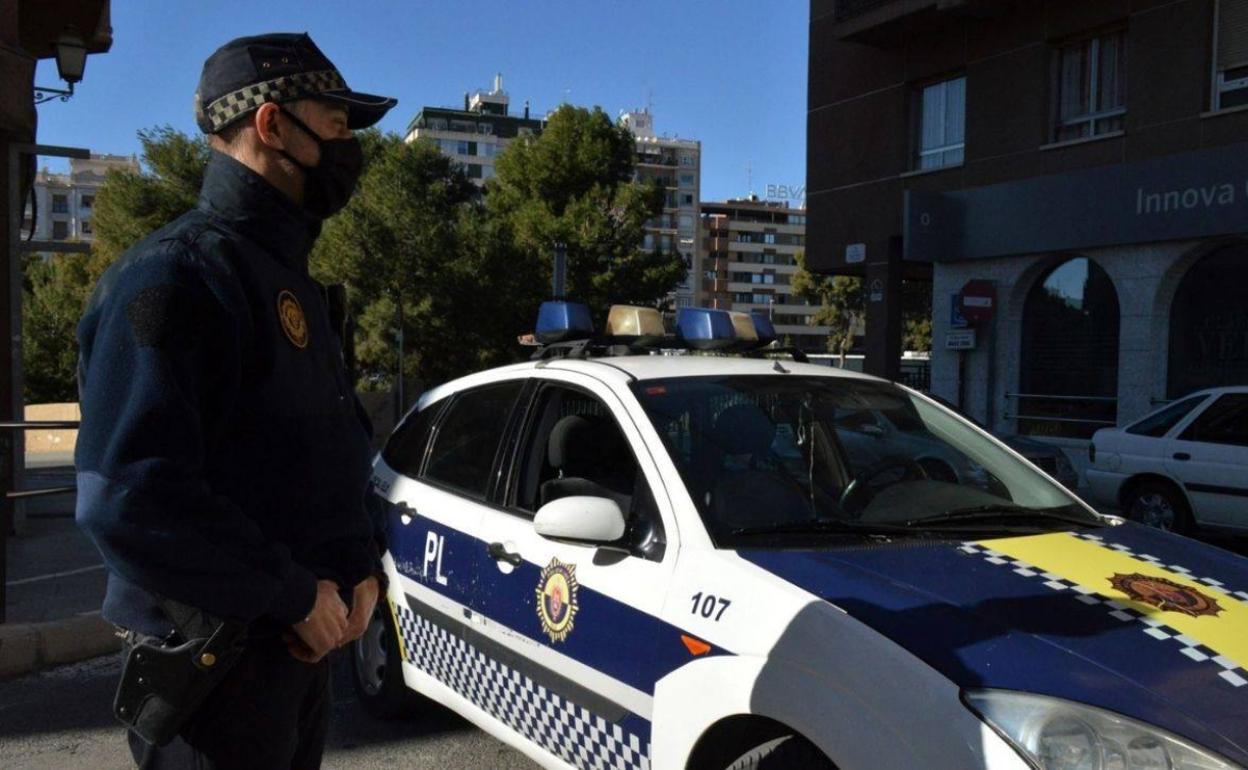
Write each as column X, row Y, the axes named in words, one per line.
column 329, row 184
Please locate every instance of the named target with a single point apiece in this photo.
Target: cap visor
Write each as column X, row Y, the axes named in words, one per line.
column 363, row 110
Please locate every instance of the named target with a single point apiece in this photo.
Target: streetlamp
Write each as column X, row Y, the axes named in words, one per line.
column 71, row 62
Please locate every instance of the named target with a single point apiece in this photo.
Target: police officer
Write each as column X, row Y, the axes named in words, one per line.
column 223, row 457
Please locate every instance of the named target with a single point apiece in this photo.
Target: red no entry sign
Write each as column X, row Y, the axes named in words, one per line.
column 978, row 300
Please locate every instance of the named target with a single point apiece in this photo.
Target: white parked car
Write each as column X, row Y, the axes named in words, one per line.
column 1185, row 465
column 674, row 562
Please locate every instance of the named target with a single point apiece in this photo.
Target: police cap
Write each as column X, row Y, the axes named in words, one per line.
column 280, row 67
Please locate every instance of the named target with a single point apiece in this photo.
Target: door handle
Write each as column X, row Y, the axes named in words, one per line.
column 499, row 552
column 1182, row 456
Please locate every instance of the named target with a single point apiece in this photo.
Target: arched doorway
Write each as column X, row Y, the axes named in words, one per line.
column 1209, row 324
column 1068, row 376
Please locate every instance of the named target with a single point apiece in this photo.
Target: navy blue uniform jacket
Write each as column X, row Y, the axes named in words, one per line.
column 223, row 456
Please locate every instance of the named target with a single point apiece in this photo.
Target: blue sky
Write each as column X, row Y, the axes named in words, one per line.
column 731, row 73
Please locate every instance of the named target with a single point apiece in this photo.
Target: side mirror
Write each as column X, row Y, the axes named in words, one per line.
column 581, row 518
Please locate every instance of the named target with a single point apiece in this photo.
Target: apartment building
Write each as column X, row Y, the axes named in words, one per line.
column 676, row 165
column 748, row 259
column 475, row 135
column 63, row 203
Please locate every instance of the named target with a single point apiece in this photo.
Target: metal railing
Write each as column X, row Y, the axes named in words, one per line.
column 1059, row 416
column 13, row 250
column 11, row 496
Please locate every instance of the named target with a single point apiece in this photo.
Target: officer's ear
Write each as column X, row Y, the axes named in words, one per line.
column 270, row 128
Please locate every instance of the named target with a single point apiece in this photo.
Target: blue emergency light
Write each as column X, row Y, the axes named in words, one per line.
column 705, row 328
column 559, row 321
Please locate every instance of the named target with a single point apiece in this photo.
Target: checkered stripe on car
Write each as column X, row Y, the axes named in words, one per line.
column 1179, row 568
column 1231, row 672
column 224, row 110
column 563, row 728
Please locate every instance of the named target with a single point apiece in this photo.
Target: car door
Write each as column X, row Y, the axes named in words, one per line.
column 1210, row 458
column 574, row 628
column 443, row 466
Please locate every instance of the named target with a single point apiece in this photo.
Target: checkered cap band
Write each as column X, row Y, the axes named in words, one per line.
column 226, row 109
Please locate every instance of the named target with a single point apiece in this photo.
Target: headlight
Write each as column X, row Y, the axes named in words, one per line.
column 1055, row 734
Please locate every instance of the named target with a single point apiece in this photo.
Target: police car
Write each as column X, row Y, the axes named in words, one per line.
column 620, row 556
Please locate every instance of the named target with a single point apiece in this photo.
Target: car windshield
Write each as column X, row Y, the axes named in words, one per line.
column 790, row 455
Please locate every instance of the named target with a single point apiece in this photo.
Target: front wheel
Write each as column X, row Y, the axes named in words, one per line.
column 787, row 753
column 378, row 673
column 1158, row 505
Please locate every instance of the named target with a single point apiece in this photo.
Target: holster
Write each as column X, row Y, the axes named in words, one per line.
column 164, row 681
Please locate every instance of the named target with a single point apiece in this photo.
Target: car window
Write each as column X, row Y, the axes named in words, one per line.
column 1160, row 422
column 761, row 452
column 574, row 446
column 1224, row 422
column 467, row 438
column 405, row 449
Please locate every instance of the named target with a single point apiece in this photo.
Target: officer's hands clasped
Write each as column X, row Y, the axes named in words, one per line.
column 322, row 630
column 330, row 624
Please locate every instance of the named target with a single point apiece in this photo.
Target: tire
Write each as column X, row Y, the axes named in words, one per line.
column 376, row 671
column 1157, row 504
column 787, row 753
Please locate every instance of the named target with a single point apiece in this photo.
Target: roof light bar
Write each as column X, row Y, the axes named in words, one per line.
column 743, row 327
column 635, row 325
column 705, row 328
column 763, row 327
column 559, row 321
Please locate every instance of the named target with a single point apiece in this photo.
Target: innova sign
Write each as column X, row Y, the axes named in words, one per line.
column 1188, row 195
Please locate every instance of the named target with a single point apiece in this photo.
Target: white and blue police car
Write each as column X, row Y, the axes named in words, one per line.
column 615, row 557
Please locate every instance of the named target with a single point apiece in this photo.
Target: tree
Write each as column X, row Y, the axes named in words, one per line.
column 842, row 304
column 841, row 301
column 56, row 293
column 133, row 204
column 129, row 206
column 916, row 316
column 415, row 233
column 574, row 184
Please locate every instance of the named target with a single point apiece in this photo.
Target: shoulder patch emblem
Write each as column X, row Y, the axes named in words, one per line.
column 557, row 600
column 1165, row 595
column 290, row 313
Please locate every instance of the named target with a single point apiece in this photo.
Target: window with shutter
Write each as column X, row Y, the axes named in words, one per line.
column 1232, row 51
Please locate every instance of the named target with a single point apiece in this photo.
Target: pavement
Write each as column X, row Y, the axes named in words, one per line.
column 54, row 582
column 61, row 719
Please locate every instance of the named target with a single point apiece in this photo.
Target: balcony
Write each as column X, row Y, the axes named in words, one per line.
column 656, row 159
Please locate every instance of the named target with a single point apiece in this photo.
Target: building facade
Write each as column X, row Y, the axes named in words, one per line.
column 64, row 202
column 748, row 256
column 475, row 135
column 676, row 166
column 1085, row 163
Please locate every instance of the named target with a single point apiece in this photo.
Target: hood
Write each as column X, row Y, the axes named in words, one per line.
column 1147, row 624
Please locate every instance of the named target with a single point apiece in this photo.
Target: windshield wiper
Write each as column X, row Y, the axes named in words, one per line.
column 822, row 525
column 1004, row 513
